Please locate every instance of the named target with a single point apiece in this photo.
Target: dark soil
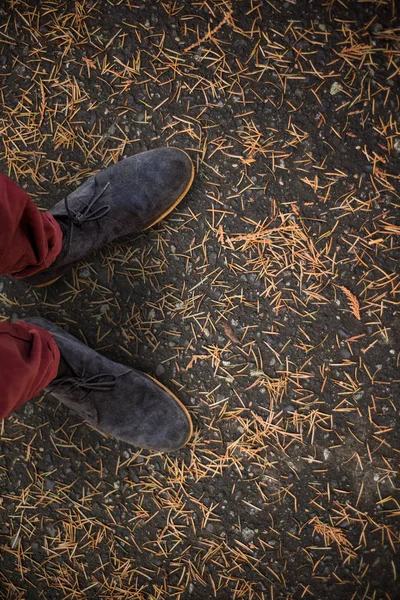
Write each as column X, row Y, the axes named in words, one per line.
column 268, row 301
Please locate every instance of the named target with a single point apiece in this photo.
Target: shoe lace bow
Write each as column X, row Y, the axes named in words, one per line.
column 102, row 382
column 89, row 212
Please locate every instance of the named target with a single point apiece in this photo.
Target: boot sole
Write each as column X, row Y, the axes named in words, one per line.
column 181, row 197
column 42, row 285
column 165, row 214
column 181, row 406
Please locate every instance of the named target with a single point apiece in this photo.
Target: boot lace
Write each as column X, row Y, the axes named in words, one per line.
column 102, row 382
column 89, row 212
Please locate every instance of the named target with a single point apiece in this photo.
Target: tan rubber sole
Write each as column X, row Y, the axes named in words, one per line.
column 42, row 285
column 181, row 197
column 165, row 214
column 182, row 406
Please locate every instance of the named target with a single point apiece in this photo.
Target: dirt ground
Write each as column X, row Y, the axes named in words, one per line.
column 268, row 301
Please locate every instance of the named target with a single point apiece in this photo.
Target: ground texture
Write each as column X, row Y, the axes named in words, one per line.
column 269, row 301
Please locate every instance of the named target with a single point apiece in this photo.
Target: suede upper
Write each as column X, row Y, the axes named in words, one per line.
column 123, row 199
column 116, row 399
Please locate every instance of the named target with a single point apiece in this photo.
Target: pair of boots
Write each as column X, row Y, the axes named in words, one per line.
column 126, row 198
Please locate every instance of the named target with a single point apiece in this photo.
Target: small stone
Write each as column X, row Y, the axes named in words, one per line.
column 28, row 409
column 1, row 286
column 326, row 453
column 247, row 534
column 84, row 273
column 336, row 88
column 160, row 370
column 256, row 373
column 50, row 530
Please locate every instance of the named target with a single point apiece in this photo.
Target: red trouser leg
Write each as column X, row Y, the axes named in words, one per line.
column 30, row 240
column 29, row 359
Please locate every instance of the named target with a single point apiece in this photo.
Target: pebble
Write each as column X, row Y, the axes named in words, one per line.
column 326, row 453
column 50, row 530
column 247, row 534
column 336, row 87
column 84, row 273
column 28, row 409
column 160, row 370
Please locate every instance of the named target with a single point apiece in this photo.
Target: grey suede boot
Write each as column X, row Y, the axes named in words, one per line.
column 125, row 198
column 116, row 399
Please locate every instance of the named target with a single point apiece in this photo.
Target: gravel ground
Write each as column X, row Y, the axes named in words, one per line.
column 268, row 301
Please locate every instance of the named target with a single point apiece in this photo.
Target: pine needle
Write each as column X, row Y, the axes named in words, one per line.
column 210, row 34
column 353, row 302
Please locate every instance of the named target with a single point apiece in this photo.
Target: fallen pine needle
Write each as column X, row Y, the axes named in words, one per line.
column 353, row 302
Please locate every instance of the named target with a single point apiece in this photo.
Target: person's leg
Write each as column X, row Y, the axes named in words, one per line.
column 115, row 399
column 126, row 198
column 29, row 360
column 30, row 240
